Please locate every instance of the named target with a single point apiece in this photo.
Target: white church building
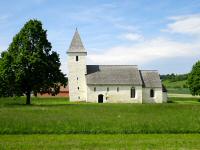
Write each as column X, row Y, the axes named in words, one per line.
column 110, row 83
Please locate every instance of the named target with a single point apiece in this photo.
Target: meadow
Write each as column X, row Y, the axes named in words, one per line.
column 58, row 122
column 100, row 141
column 58, row 116
column 176, row 86
column 178, row 90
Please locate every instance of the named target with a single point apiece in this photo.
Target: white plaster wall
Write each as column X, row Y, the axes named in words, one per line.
column 77, row 69
column 158, row 95
column 123, row 96
column 165, row 97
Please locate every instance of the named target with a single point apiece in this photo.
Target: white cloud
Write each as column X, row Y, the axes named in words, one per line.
column 159, row 48
column 155, row 48
column 127, row 27
column 132, row 37
column 188, row 24
column 4, row 18
column 95, row 14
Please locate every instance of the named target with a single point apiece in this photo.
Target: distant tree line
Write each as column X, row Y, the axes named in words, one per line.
column 174, row 77
column 192, row 79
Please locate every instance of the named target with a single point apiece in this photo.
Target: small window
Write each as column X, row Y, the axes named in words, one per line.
column 77, row 78
column 152, row 93
column 79, row 97
column 76, row 58
column 132, row 92
column 94, row 89
column 78, row 88
column 117, row 89
column 107, row 89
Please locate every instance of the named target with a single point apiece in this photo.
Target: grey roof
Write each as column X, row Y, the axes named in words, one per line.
column 76, row 44
column 150, row 78
column 113, row 74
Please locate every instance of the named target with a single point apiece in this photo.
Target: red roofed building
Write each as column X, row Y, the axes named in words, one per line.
column 64, row 92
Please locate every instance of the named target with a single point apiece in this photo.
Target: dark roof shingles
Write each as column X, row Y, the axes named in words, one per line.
column 113, row 74
column 151, row 78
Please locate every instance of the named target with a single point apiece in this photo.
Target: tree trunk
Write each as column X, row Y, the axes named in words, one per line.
column 28, row 98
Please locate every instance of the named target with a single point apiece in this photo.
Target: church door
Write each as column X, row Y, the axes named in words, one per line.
column 100, row 98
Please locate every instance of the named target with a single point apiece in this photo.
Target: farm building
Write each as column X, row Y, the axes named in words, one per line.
column 64, row 92
column 110, row 83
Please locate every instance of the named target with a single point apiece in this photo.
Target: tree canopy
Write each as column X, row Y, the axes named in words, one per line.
column 194, row 79
column 174, row 77
column 29, row 65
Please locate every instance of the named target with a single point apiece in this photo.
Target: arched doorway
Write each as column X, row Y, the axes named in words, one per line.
column 100, row 98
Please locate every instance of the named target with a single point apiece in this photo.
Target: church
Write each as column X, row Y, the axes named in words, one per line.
column 110, row 83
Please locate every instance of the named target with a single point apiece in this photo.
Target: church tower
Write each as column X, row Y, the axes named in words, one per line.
column 77, row 69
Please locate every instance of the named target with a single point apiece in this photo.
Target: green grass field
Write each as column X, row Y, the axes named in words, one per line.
column 100, row 141
column 58, row 116
column 176, row 87
column 178, row 90
column 61, row 124
column 174, row 84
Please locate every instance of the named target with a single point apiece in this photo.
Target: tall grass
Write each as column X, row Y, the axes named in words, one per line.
column 59, row 116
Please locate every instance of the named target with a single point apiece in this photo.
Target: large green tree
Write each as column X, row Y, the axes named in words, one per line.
column 194, row 79
column 29, row 65
column 5, row 77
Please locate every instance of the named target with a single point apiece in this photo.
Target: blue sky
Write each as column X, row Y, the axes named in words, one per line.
column 162, row 35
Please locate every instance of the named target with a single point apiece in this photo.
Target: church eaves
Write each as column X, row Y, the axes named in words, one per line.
column 76, row 45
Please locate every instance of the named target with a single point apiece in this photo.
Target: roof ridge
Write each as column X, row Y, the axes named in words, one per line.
column 149, row 70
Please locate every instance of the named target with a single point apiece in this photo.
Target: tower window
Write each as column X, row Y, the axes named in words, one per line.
column 78, row 88
column 95, row 89
column 132, row 92
column 77, row 78
column 107, row 89
column 117, row 89
column 152, row 94
column 76, row 58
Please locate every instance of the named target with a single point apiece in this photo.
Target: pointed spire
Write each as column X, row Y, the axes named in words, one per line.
column 76, row 44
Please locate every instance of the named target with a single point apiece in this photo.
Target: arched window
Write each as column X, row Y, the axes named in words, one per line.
column 117, row 89
column 76, row 58
column 78, row 87
column 107, row 89
column 151, row 93
column 132, row 92
column 95, row 89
